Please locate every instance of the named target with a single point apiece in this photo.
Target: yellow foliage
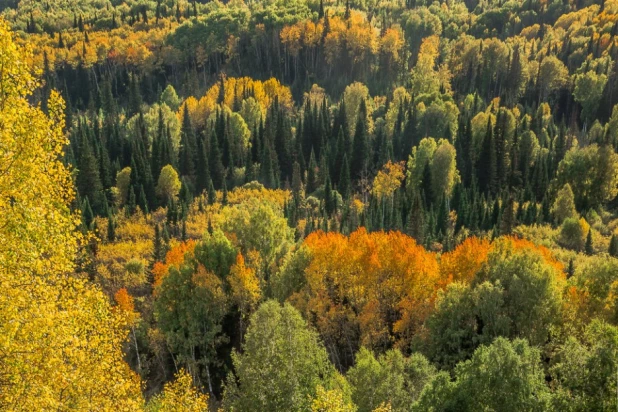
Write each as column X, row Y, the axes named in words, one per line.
column 60, row 340
column 388, row 179
column 245, row 286
column 179, row 395
column 330, row 401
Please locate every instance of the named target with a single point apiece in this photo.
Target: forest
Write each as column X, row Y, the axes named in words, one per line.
column 309, row 205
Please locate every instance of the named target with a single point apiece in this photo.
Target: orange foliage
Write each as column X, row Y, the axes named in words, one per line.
column 126, row 305
column 124, row 300
column 461, row 264
column 373, row 282
column 174, row 257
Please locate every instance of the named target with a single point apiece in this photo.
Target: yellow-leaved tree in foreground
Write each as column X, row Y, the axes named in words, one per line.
column 60, row 339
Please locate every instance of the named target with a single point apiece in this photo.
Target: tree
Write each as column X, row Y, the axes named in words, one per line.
column 588, row 92
column 189, row 307
column 564, row 205
column 261, row 226
column 573, row 233
column 387, row 301
column 123, row 182
column 179, row 395
column 505, row 376
column 584, row 371
column 553, row 74
column 62, row 342
column 515, row 292
column 589, row 249
column 444, row 173
column 281, row 366
column 613, row 246
column 333, row 400
column 388, row 180
column 245, row 288
column 360, row 149
column 170, row 98
column 390, row 379
column 216, row 253
column 169, row 184
column 592, row 172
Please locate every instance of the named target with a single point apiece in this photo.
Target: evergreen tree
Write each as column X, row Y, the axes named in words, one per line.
column 212, row 194
column 111, row 229
column 416, row 220
column 589, row 249
column 570, row 269
column 486, row 165
column 188, row 147
column 88, row 180
column 158, row 252
column 217, row 170
column 613, row 246
column 345, row 184
column 360, row 151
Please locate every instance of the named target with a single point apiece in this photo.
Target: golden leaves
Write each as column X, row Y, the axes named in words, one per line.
column 60, row 341
column 388, row 179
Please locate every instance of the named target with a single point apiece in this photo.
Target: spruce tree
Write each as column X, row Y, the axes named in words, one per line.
column 158, row 247
column 188, row 149
column 360, row 150
column 570, row 269
column 212, row 194
column 589, row 249
column 88, row 179
column 613, row 246
column 111, row 229
column 486, row 165
column 416, row 220
column 217, row 171
column 345, row 184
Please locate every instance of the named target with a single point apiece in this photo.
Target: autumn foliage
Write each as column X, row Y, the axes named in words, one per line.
column 174, row 258
column 371, row 289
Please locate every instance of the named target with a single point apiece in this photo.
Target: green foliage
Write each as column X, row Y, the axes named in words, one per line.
column 505, row 376
column 281, row 365
column 584, row 373
column 390, row 379
column 592, row 173
column 516, row 294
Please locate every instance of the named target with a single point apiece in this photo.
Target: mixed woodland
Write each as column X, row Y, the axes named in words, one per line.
column 309, row 205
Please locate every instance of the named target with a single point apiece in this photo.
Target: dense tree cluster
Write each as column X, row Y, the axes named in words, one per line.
column 308, row 205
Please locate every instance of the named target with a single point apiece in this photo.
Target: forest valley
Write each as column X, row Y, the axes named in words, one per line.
column 309, row 205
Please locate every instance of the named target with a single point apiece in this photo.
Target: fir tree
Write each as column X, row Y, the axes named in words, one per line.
column 345, row 184
column 487, row 165
column 111, row 229
column 613, row 246
column 158, row 247
column 360, row 151
column 589, row 249
column 570, row 269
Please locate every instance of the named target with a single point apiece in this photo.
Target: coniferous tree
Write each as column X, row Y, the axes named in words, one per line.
column 613, row 246
column 158, row 247
column 111, row 229
column 487, row 164
column 589, row 249
column 188, row 147
column 345, row 184
column 570, row 269
column 217, row 170
column 88, row 179
column 416, row 220
column 212, row 194
column 360, row 150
